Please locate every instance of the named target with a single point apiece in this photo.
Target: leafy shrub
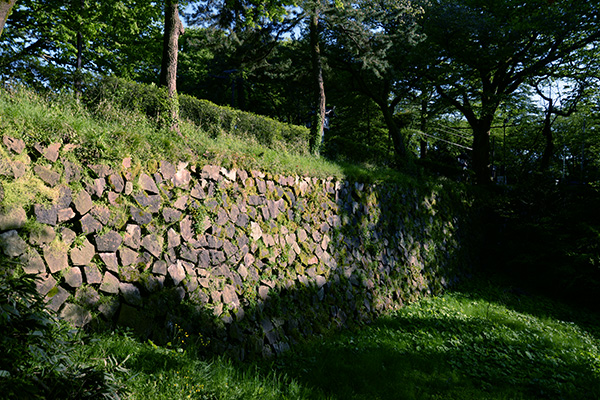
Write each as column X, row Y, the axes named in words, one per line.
column 216, row 120
column 38, row 358
column 213, row 119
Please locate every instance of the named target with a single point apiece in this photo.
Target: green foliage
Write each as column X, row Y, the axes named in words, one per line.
column 38, row 358
column 217, row 120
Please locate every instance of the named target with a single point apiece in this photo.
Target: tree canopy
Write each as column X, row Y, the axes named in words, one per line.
column 436, row 81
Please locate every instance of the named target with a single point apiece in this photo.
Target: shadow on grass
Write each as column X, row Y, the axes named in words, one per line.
column 476, row 349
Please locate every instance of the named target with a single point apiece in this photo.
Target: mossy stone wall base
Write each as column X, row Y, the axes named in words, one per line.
column 251, row 260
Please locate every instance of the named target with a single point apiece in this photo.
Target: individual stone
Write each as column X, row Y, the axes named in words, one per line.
column 74, row 277
column 92, row 274
column 46, row 215
column 229, row 175
column 128, row 256
column 11, row 243
column 171, row 215
column 16, row 145
column 139, row 216
column 173, row 239
column 230, row 297
column 83, row 254
column 56, row 259
column 130, row 293
column 113, row 198
column 133, row 236
column 147, row 183
column 72, row 172
column 18, row 169
column 255, row 231
column 181, row 203
column 167, row 170
column 76, row 315
column 101, row 213
column 65, row 214
column 45, row 284
column 57, row 299
column 109, row 242
column 87, row 295
column 248, row 259
column 153, row 244
column 159, row 267
column 83, row 202
column 211, row 172
column 32, row 262
column 110, row 284
column 150, row 202
column 185, row 227
column 12, row 218
column 182, row 176
column 263, row 292
column 177, row 273
column 128, row 188
column 197, row 192
column 116, row 182
column 67, row 236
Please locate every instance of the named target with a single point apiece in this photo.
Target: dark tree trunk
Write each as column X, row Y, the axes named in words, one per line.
column 79, row 61
column 5, row 7
column 394, row 131
column 549, row 141
column 168, row 70
column 481, row 151
column 423, row 127
column 318, row 123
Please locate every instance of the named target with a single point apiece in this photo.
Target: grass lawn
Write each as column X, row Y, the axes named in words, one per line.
column 483, row 342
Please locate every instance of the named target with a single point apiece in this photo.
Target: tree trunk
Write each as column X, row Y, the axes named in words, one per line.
column 395, row 133
column 79, row 60
column 549, row 142
column 481, row 151
column 168, row 71
column 318, row 124
column 5, row 8
column 423, row 127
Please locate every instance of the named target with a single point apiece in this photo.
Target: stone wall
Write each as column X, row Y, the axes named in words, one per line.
column 253, row 261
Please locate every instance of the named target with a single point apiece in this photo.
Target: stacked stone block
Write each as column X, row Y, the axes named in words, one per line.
column 262, row 260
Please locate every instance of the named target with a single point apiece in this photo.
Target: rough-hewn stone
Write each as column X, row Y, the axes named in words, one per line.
column 56, row 259
column 11, row 244
column 83, row 202
column 57, row 299
column 110, row 283
column 82, row 255
column 46, row 214
column 76, row 315
column 108, row 242
column 12, row 218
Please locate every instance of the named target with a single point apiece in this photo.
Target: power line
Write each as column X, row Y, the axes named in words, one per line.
column 444, row 140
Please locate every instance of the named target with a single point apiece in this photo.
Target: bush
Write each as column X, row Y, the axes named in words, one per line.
column 213, row 119
column 38, row 357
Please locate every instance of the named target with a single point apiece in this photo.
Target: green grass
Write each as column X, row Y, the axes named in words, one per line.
column 480, row 343
column 108, row 134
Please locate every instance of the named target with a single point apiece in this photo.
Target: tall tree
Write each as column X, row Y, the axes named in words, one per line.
column 168, row 71
column 317, row 126
column 485, row 50
column 47, row 42
column 5, row 8
column 374, row 42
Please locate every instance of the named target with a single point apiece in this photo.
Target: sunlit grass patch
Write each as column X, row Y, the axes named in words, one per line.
column 458, row 346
